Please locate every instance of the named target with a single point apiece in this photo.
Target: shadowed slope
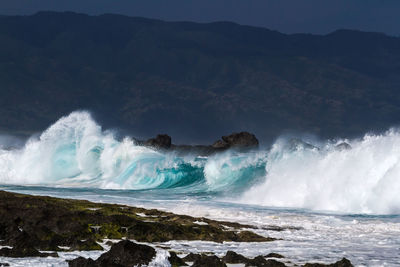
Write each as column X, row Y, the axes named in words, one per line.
column 197, row 80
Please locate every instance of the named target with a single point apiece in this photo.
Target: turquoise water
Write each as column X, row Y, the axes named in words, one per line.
column 332, row 202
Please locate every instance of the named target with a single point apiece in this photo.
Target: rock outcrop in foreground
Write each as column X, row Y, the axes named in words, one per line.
column 124, row 253
column 31, row 224
column 127, row 253
column 45, row 223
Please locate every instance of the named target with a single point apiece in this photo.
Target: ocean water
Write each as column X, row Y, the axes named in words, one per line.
column 332, row 201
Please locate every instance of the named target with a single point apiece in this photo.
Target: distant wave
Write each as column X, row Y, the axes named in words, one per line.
column 76, row 152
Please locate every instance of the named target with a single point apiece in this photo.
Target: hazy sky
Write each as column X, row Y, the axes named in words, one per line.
column 290, row 16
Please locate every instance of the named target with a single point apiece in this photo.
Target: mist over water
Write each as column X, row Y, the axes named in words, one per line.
column 10, row 142
column 75, row 152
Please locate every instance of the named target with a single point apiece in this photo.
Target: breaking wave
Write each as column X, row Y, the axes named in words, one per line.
column 361, row 176
column 75, row 152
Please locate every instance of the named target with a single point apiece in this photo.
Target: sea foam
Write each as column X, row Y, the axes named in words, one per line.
column 362, row 179
column 75, row 152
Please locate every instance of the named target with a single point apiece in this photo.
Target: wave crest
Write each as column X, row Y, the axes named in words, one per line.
column 363, row 177
column 75, row 152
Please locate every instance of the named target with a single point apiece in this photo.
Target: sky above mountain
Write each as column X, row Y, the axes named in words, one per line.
column 289, row 16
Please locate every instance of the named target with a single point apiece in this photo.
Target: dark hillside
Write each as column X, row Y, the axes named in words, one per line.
column 195, row 81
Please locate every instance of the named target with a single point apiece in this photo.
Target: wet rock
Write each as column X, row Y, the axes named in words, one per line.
column 175, row 260
column 86, row 245
column 109, row 243
column 21, row 252
column 242, row 141
column 274, row 255
column 127, row 253
column 343, row 146
column 209, row 261
column 220, row 144
column 47, row 223
column 180, row 230
column 260, row 261
column 82, row 262
column 19, row 238
column 280, row 228
column 191, row 257
column 161, row 141
column 239, row 140
column 23, row 245
column 342, row 263
column 247, row 236
column 4, row 264
column 233, row 257
column 124, row 253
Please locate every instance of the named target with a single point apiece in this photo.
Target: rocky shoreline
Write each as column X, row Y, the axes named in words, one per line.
column 30, row 225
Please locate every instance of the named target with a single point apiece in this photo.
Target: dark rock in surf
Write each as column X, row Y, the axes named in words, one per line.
column 209, row 261
column 274, row 255
column 248, row 236
column 233, row 257
column 124, row 253
column 4, row 264
column 162, row 141
column 23, row 246
column 191, row 257
column 280, row 228
column 175, row 260
column 127, row 253
column 238, row 140
column 86, row 245
column 82, row 262
column 109, row 243
column 342, row 263
column 242, row 141
column 21, row 252
column 260, row 261
column 220, row 144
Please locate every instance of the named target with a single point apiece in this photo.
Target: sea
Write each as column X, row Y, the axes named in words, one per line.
column 321, row 199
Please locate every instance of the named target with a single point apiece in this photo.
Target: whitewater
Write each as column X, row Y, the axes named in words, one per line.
column 336, row 198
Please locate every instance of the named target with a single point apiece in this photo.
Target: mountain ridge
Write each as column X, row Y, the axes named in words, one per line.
column 195, row 80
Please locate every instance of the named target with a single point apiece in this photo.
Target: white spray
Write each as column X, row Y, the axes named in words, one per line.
column 362, row 179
